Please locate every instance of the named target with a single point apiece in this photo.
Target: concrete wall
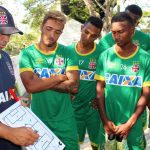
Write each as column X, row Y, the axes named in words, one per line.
column 19, row 84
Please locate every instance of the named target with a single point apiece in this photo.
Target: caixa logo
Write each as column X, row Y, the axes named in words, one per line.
column 48, row 72
column 123, row 80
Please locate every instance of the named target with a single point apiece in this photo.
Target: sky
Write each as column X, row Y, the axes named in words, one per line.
column 18, row 11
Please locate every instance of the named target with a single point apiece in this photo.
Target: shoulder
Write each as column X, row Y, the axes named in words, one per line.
column 144, row 53
column 28, row 49
column 71, row 46
column 66, row 49
column 5, row 55
column 108, row 51
column 142, row 34
column 107, row 36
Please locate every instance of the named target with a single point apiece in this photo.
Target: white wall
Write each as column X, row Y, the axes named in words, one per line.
column 20, row 87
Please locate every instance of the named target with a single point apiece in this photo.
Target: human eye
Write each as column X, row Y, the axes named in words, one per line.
column 86, row 32
column 58, row 31
column 48, row 28
column 121, row 31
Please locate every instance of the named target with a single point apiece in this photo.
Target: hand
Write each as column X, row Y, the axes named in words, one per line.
column 23, row 136
column 25, row 101
column 72, row 97
column 62, row 77
column 123, row 130
column 109, row 127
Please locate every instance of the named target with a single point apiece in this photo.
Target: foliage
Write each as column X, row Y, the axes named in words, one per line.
column 77, row 9
column 18, row 42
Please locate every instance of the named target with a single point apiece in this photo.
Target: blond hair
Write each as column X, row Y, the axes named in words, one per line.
column 54, row 15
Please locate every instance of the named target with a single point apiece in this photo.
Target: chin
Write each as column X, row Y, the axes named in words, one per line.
column 50, row 45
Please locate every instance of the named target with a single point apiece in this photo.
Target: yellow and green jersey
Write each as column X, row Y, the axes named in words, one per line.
column 49, row 105
column 87, row 67
column 124, row 78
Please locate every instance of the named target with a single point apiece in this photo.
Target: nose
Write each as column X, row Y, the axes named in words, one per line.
column 89, row 36
column 116, row 35
column 6, row 38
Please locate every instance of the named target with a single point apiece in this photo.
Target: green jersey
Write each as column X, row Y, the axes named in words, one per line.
column 49, row 105
column 124, row 78
column 87, row 67
column 139, row 38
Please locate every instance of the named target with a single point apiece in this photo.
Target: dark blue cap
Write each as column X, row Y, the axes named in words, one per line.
column 7, row 25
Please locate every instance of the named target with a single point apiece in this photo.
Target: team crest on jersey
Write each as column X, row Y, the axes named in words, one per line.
column 87, row 75
column 135, row 67
column 48, row 72
column 92, row 64
column 3, row 18
column 59, row 61
column 123, row 80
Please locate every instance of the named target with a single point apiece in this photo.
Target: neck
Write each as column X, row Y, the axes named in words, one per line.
column 84, row 48
column 45, row 48
column 126, row 50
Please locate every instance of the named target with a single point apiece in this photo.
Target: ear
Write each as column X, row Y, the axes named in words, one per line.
column 82, row 26
column 100, row 35
column 137, row 23
column 132, row 30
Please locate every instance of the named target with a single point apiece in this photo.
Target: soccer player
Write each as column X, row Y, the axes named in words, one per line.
column 139, row 38
column 123, row 84
column 50, row 72
column 87, row 53
column 10, row 138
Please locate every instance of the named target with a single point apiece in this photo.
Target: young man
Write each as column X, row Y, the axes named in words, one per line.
column 87, row 53
column 50, row 72
column 123, row 84
column 10, row 138
column 139, row 38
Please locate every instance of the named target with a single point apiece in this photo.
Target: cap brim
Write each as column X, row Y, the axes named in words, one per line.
column 10, row 30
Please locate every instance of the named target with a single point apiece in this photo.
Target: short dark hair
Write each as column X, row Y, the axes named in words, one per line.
column 96, row 21
column 122, row 16
column 135, row 9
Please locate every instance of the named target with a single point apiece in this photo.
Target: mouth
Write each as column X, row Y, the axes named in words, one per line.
column 118, row 41
column 2, row 46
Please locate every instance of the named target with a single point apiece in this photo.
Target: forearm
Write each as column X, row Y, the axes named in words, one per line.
column 101, row 108
column 35, row 84
column 139, row 109
column 66, row 87
column 101, row 101
column 70, row 85
column 5, row 131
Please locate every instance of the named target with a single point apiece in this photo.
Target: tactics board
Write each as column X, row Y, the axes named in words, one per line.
column 18, row 116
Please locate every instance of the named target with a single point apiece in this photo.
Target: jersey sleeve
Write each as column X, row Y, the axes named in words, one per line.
column 106, row 41
column 72, row 62
column 99, row 75
column 146, row 80
column 148, row 39
column 24, row 61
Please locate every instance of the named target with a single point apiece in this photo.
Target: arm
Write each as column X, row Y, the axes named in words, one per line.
column 108, row 125
column 124, row 129
column 33, row 83
column 21, row 136
column 71, row 85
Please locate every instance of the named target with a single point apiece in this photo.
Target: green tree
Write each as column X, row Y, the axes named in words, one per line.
column 19, row 42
